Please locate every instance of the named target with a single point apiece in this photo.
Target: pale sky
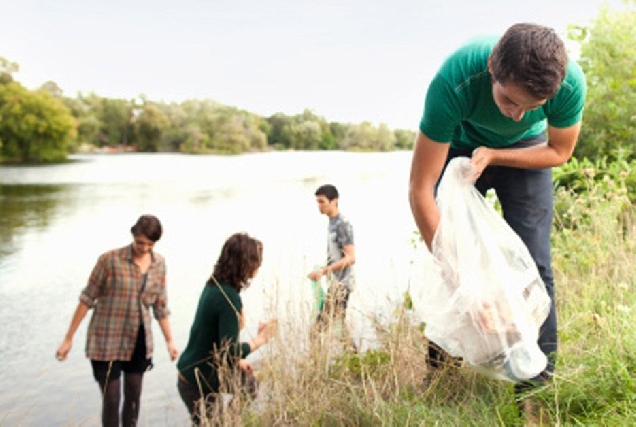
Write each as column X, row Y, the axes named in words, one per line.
column 347, row 60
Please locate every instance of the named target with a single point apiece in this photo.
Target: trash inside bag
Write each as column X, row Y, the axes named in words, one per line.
column 481, row 296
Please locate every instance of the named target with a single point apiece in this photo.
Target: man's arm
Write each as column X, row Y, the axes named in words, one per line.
column 426, row 167
column 348, row 259
column 557, row 151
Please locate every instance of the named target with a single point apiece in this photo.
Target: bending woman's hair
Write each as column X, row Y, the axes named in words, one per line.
column 239, row 261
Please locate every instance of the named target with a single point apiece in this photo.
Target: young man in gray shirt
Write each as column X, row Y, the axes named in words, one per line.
column 340, row 259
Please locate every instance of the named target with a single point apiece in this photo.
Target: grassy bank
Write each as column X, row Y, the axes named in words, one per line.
column 594, row 257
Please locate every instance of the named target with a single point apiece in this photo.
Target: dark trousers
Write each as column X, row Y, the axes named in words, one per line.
column 212, row 401
column 526, row 198
column 191, row 396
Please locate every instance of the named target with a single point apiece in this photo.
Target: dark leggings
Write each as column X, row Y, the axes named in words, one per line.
column 111, row 391
column 108, row 375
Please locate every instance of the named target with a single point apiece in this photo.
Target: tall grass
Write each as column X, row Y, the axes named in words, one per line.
column 595, row 259
column 595, row 382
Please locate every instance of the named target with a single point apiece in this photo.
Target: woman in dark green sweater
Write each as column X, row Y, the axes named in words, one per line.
column 208, row 363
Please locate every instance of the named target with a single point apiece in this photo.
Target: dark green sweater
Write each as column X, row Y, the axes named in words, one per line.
column 213, row 337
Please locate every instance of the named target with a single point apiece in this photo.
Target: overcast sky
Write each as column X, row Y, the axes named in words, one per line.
column 347, row 60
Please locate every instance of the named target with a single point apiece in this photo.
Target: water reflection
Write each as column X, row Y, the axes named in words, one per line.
column 26, row 208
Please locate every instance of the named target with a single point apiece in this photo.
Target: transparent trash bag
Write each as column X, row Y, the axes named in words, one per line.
column 482, row 298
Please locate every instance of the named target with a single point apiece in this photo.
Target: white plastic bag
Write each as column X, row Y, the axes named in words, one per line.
column 482, row 298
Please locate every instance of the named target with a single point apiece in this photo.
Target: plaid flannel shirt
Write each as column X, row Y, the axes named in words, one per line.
column 115, row 293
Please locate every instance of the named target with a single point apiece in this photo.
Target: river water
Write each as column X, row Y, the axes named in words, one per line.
column 56, row 220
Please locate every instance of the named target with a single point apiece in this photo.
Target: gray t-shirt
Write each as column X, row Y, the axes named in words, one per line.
column 340, row 235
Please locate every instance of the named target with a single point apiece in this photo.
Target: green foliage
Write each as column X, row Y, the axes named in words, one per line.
column 34, row 126
column 356, row 365
column 206, row 126
column 88, row 124
column 305, row 131
column 595, row 258
column 116, row 121
column 366, row 137
column 308, row 131
column 404, row 139
column 7, row 69
column 279, row 135
column 607, row 59
column 327, row 142
column 583, row 186
column 195, row 141
column 215, row 128
column 149, row 128
column 53, row 88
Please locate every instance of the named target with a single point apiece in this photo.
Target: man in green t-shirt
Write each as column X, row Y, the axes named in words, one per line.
column 514, row 106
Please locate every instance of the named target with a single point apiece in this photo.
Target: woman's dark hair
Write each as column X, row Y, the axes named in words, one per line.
column 149, row 226
column 240, row 257
column 532, row 56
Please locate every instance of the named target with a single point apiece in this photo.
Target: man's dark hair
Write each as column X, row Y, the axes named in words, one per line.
column 240, row 258
column 327, row 190
column 149, row 226
column 532, row 56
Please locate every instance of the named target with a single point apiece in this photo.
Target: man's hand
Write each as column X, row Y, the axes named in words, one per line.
column 317, row 274
column 481, row 158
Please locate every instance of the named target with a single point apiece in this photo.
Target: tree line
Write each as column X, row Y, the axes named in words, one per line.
column 44, row 125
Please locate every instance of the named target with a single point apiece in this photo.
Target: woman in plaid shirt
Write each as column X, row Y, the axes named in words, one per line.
column 123, row 286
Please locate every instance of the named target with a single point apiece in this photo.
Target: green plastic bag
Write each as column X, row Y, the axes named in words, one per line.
column 318, row 294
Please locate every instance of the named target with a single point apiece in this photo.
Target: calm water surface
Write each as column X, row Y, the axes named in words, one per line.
column 56, row 220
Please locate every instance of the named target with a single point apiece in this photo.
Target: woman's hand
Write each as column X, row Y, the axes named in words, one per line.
column 268, row 329
column 173, row 351
column 64, row 349
column 246, row 367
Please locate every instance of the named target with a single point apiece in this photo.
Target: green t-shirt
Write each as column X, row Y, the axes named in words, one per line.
column 460, row 109
column 214, row 332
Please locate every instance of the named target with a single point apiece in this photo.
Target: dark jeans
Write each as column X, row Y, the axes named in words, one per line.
column 213, row 401
column 526, row 197
column 191, row 397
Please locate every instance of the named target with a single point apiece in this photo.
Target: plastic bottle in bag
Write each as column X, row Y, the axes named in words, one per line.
column 524, row 361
